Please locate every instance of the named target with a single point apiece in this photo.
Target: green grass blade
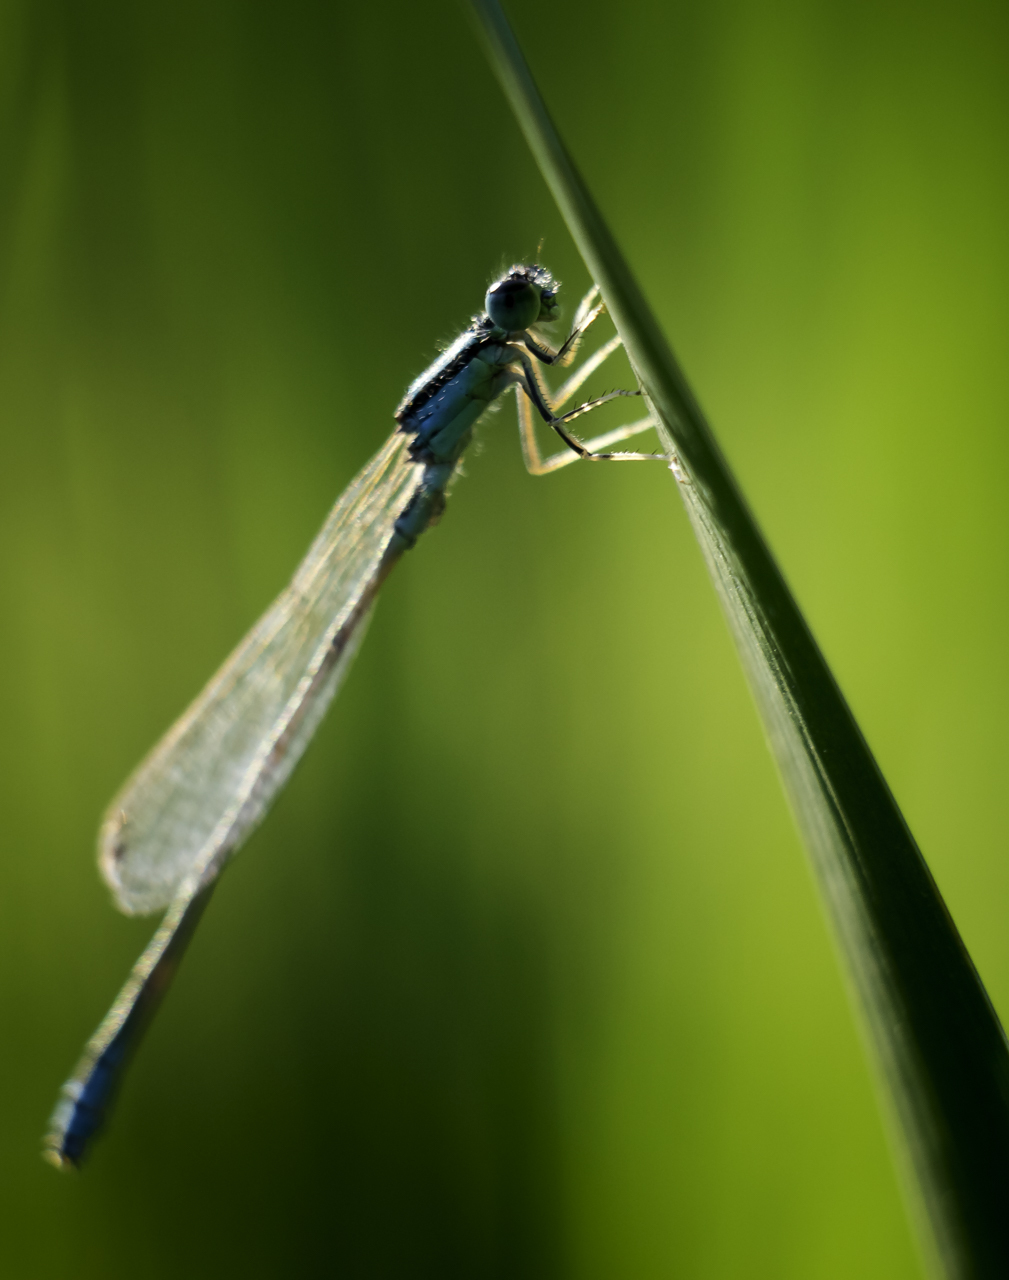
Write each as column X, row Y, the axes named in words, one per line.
column 939, row 1049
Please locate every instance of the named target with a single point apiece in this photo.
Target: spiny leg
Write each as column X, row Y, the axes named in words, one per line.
column 530, row 383
column 588, row 304
column 585, row 371
column 537, row 465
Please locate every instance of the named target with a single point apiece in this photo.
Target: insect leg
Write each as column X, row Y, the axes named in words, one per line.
column 530, row 384
column 537, row 465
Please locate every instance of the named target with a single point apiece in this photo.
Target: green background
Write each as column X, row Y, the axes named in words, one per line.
column 525, row 976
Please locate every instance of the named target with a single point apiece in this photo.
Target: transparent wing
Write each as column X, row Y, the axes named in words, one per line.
column 210, row 780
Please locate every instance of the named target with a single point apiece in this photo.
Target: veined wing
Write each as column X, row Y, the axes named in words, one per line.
column 209, row 781
column 203, row 788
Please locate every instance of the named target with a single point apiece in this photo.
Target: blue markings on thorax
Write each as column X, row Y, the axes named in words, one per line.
column 439, row 371
column 440, row 410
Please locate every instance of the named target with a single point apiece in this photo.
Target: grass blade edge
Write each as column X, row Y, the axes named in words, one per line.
column 940, row 1054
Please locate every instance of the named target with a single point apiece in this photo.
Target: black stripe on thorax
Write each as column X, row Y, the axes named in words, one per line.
column 481, row 329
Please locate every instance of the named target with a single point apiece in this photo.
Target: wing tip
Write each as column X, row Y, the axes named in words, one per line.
column 113, row 847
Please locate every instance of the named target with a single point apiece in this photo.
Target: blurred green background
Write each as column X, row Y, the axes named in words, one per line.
column 525, row 975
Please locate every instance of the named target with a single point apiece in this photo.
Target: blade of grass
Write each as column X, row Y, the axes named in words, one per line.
column 940, row 1052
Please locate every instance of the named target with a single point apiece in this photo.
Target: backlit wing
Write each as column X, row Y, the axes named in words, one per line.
column 209, row 781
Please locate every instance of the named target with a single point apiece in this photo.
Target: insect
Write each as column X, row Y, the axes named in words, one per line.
column 206, row 785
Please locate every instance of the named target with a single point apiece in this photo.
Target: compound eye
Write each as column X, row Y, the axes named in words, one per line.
column 513, row 304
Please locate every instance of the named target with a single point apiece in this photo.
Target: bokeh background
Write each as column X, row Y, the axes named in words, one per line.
column 525, row 976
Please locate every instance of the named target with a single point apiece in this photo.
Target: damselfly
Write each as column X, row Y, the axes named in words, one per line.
column 195, row 799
